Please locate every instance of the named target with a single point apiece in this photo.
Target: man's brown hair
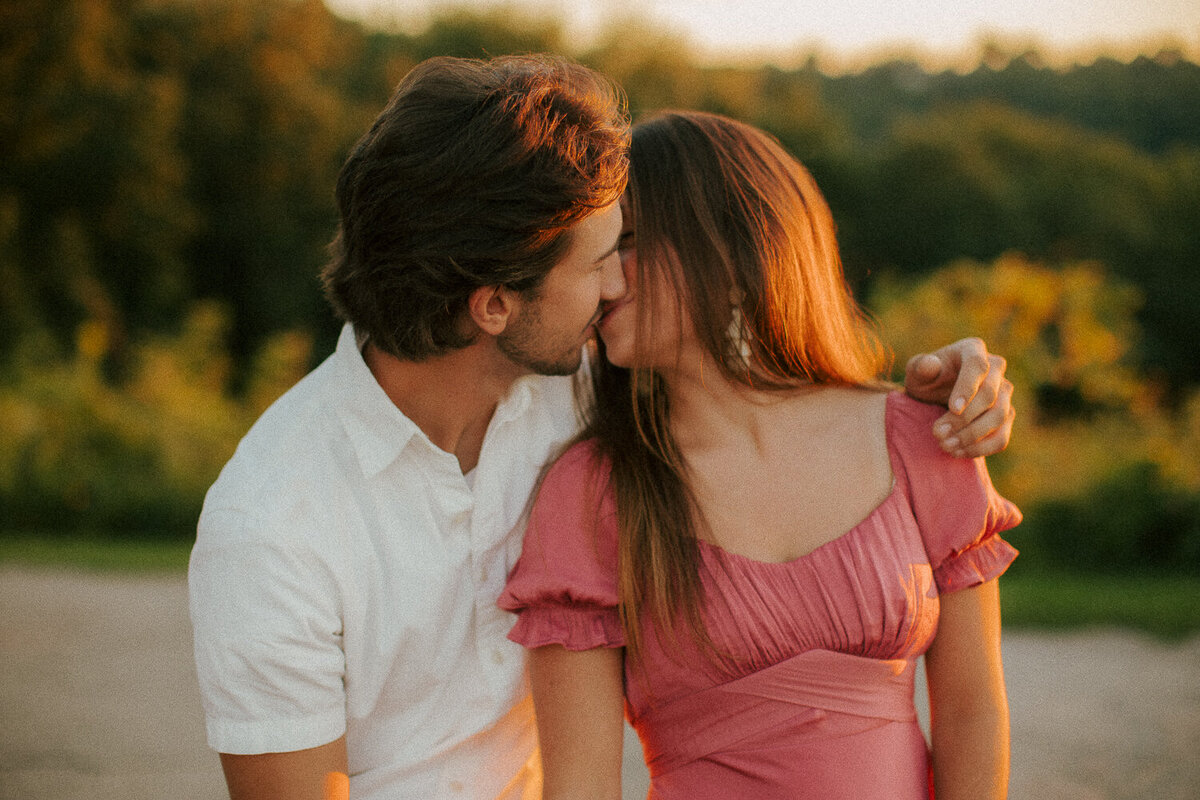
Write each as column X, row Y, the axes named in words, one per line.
column 471, row 176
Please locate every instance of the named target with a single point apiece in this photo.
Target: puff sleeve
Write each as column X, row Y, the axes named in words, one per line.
column 958, row 511
column 563, row 588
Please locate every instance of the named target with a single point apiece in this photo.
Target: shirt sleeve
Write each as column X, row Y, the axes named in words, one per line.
column 563, row 588
column 958, row 510
column 266, row 621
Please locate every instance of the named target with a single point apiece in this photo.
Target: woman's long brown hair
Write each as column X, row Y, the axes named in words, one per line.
column 726, row 212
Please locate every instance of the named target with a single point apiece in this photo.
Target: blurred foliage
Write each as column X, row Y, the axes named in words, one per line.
column 1157, row 97
column 83, row 452
column 1067, row 331
column 1107, row 475
column 981, row 180
column 1133, row 519
column 166, row 194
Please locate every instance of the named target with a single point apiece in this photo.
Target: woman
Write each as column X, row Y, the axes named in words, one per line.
column 755, row 540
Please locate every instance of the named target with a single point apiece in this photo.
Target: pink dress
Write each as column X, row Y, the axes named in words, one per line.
column 813, row 694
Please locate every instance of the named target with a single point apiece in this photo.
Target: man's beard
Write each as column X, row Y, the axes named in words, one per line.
column 524, row 343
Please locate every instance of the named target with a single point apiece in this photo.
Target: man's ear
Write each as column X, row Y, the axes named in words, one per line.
column 490, row 308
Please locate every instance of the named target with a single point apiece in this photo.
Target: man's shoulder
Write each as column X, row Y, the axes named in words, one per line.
column 286, row 458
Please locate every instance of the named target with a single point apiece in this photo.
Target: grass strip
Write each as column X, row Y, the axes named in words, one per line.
column 96, row 552
column 1166, row 606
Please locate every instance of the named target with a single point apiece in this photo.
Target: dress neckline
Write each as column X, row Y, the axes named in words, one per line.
column 865, row 522
column 889, row 499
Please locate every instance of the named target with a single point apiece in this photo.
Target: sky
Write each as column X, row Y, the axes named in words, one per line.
column 851, row 30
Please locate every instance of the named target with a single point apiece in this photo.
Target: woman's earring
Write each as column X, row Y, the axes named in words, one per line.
column 739, row 342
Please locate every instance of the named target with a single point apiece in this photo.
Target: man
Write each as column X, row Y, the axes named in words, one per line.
column 349, row 558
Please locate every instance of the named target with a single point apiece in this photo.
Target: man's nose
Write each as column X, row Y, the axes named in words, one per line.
column 614, row 280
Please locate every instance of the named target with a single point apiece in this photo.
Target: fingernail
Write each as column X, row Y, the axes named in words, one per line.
column 941, row 429
column 950, row 443
column 958, row 405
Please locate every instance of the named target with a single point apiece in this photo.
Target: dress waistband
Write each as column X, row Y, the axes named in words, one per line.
column 693, row 726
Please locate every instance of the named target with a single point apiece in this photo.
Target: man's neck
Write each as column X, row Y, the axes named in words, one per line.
column 451, row 397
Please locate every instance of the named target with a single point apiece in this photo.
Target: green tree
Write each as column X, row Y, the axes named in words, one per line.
column 498, row 31
column 94, row 219
column 1152, row 102
column 1067, row 332
column 266, row 129
column 656, row 69
column 978, row 181
column 1104, row 472
column 134, row 456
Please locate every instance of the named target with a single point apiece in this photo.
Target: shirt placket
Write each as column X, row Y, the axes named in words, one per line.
column 460, row 508
column 485, row 576
column 489, row 532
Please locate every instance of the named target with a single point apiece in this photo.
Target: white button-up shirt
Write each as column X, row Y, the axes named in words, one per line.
column 344, row 580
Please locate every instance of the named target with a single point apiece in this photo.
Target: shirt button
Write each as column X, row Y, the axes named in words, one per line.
column 483, row 575
column 497, row 657
column 456, row 786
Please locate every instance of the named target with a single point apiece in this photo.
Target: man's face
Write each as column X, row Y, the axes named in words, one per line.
column 672, row 333
column 547, row 331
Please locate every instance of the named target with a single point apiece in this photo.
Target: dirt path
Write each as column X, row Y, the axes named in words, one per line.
column 98, row 702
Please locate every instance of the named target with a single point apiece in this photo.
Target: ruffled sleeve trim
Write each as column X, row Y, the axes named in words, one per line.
column 573, row 627
column 957, row 510
column 563, row 588
column 977, row 564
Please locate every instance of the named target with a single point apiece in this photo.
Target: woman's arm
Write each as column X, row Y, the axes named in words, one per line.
column 968, row 703
column 579, row 699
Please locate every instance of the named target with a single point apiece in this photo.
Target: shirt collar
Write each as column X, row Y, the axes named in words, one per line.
column 517, row 401
column 377, row 430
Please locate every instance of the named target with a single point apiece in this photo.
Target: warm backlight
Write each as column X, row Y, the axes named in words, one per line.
column 337, row 786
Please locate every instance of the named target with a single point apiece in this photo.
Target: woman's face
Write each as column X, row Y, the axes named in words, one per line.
column 618, row 326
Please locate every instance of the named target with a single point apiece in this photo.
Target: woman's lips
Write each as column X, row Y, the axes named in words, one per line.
column 612, row 309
